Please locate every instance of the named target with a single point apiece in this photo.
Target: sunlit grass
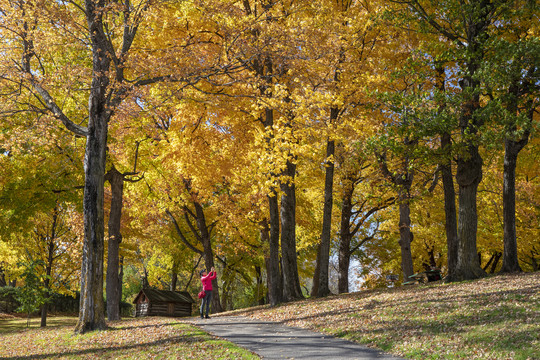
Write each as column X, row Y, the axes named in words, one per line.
column 492, row 318
column 142, row 338
column 19, row 323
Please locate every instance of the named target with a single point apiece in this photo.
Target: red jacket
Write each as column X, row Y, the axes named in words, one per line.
column 207, row 280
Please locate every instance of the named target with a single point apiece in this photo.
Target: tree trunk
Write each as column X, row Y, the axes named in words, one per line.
column 47, row 282
column 274, row 276
column 291, row 280
column 452, row 241
column 345, row 239
column 208, row 254
column 50, row 260
column 113, row 286
column 45, row 306
column 449, row 205
column 2, row 277
column 259, row 294
column 174, row 280
column 91, row 311
column 120, row 281
column 510, row 254
column 405, row 235
column 320, row 279
column 496, row 259
column 469, row 175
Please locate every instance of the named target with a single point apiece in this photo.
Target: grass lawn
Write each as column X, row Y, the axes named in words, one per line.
column 492, row 318
column 141, row 338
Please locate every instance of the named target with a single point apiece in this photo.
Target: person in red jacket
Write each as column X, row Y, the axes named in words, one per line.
column 207, row 288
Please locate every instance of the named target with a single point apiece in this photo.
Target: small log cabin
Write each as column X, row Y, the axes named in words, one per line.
column 151, row 302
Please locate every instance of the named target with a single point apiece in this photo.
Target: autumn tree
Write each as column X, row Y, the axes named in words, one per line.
column 58, row 38
column 514, row 92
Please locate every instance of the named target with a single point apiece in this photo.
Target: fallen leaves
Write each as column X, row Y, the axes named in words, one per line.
column 492, row 318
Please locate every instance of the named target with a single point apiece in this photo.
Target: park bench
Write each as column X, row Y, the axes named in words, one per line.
column 424, row 277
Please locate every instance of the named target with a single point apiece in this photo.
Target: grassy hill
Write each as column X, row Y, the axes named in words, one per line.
column 492, row 318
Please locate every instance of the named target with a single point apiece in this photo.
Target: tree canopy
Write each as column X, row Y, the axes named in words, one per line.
column 294, row 145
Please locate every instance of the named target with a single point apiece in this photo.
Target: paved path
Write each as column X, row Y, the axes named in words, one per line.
column 272, row 340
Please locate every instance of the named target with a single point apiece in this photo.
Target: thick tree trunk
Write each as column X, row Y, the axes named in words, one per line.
column 291, row 280
column 91, row 310
column 469, row 175
column 469, row 164
column 113, row 286
column 449, row 206
column 405, row 235
column 510, row 254
column 320, row 279
column 345, row 239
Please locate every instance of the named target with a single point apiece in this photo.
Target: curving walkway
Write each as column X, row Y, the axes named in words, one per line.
column 272, row 340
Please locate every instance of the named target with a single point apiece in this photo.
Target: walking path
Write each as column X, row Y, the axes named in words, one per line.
column 272, row 340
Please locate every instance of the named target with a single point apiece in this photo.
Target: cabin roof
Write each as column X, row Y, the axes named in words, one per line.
column 165, row 296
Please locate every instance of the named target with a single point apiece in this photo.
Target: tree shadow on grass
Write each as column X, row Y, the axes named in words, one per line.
column 100, row 352
column 443, row 304
column 147, row 326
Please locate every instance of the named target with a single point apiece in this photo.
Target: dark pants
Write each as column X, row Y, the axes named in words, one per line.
column 206, row 302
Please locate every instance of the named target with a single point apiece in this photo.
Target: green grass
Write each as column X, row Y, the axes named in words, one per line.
column 492, row 318
column 146, row 338
column 16, row 323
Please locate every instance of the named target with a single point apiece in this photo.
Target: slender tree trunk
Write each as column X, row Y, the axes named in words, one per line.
column 2, row 277
column 510, row 254
column 291, row 280
column 273, row 273
column 208, row 254
column 496, row 259
column 46, row 285
column 320, row 279
column 452, row 241
column 534, row 262
column 260, row 288
column 174, row 280
column 113, row 286
column 120, row 281
column 345, row 239
column 50, row 260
